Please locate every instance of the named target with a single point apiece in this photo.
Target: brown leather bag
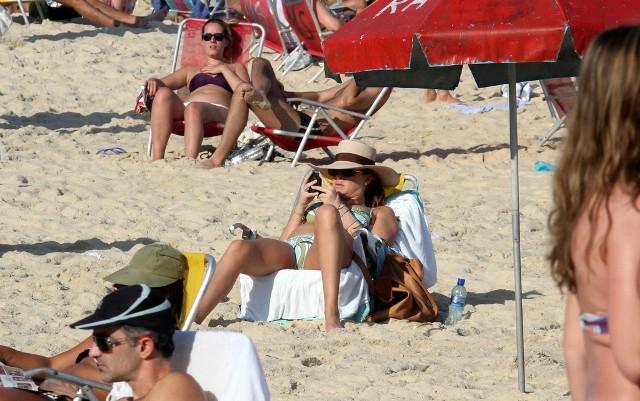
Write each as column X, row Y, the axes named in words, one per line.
column 398, row 292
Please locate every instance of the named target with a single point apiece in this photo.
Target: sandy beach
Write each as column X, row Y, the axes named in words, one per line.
column 70, row 217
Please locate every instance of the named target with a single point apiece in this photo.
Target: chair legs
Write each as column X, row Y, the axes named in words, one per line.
column 23, row 13
column 556, row 126
column 315, row 77
column 149, row 144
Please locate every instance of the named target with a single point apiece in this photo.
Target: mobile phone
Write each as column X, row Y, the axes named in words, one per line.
column 315, row 177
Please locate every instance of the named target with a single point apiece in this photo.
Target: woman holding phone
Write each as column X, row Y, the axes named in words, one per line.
column 351, row 199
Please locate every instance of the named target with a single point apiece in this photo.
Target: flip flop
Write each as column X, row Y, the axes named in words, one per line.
column 111, row 151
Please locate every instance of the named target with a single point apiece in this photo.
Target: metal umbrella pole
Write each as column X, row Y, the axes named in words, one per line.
column 515, row 219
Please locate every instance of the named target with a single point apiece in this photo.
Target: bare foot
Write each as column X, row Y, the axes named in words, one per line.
column 331, row 324
column 447, row 97
column 429, row 95
column 210, row 163
column 255, row 98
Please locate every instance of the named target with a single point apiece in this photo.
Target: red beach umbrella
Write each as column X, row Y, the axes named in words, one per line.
column 425, row 43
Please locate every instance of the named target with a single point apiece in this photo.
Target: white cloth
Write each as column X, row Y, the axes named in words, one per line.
column 297, row 294
column 224, row 363
column 414, row 237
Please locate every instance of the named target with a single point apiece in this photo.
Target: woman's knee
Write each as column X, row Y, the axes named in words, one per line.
column 260, row 63
column 194, row 111
column 239, row 250
column 163, row 95
column 326, row 217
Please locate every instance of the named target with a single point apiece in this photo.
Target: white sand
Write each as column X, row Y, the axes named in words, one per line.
column 66, row 90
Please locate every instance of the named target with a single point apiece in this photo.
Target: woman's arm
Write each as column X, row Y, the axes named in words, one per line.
column 172, row 81
column 574, row 350
column 25, row 360
column 297, row 216
column 235, row 74
column 385, row 224
column 623, row 285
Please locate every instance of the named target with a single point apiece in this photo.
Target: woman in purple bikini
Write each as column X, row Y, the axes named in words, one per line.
column 595, row 223
column 211, row 90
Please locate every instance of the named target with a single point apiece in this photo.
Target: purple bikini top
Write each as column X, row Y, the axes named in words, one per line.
column 202, row 79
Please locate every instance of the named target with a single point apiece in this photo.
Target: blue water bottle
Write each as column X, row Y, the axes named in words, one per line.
column 456, row 305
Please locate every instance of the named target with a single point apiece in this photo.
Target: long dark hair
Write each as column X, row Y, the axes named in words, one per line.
column 374, row 191
column 601, row 149
column 226, row 30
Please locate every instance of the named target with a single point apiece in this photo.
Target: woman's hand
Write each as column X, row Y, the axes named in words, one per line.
column 305, row 196
column 328, row 195
column 152, row 85
column 214, row 69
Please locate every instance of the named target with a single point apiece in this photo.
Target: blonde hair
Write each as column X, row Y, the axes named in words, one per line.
column 602, row 148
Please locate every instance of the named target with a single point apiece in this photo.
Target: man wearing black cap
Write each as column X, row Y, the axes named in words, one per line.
column 133, row 341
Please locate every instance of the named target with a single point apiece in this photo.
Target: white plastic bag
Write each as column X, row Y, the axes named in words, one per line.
column 5, row 20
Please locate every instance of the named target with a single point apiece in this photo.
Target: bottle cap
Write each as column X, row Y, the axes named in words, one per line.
column 460, row 281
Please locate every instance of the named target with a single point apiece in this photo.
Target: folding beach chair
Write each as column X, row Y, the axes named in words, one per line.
column 247, row 38
column 560, row 94
column 304, row 22
column 298, row 142
column 197, row 276
column 23, row 13
column 225, row 364
column 297, row 294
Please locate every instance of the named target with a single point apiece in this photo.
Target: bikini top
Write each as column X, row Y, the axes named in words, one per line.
column 596, row 323
column 202, row 79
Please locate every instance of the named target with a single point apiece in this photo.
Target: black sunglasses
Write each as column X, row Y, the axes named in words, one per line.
column 343, row 173
column 219, row 37
column 106, row 343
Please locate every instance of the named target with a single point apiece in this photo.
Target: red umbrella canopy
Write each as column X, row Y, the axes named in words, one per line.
column 453, row 32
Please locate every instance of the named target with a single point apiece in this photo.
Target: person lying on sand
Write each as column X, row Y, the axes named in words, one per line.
column 211, row 98
column 157, row 265
column 110, row 13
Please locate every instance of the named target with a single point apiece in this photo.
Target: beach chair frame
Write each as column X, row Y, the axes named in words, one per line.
column 288, row 140
column 23, row 13
column 557, row 110
column 213, row 128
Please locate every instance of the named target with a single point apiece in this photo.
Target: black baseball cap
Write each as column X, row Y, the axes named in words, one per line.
column 134, row 305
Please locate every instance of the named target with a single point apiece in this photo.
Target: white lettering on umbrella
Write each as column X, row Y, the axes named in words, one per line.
column 393, row 6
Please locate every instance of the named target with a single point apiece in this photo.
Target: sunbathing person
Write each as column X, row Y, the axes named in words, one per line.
column 157, row 265
column 132, row 342
column 319, row 236
column 267, row 99
column 211, row 90
column 112, row 12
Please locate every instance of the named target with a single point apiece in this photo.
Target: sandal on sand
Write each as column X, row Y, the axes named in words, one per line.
column 247, row 233
column 111, row 151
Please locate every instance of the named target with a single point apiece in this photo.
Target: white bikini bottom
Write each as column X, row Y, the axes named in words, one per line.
column 213, row 104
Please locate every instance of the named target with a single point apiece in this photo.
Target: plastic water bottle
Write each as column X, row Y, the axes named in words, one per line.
column 249, row 153
column 456, row 305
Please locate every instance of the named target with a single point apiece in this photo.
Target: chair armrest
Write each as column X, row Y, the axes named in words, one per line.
column 312, row 103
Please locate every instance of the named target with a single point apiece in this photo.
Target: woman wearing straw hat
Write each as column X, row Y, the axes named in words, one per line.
column 350, row 199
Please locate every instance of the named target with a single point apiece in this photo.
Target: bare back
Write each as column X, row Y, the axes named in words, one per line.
column 607, row 285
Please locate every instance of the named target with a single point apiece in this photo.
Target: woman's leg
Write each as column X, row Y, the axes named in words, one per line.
column 278, row 113
column 233, row 125
column 196, row 115
column 332, row 250
column 166, row 107
column 257, row 257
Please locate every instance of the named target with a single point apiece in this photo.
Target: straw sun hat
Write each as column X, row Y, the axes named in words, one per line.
column 353, row 154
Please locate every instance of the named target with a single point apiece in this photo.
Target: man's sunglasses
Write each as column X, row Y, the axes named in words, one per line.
column 343, row 173
column 106, row 343
column 219, row 37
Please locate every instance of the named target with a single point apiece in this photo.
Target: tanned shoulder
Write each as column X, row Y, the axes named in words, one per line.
column 176, row 386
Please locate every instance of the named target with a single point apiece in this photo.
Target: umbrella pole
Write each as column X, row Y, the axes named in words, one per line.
column 515, row 219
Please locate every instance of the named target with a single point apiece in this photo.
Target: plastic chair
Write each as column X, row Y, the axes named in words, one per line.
column 225, row 364
column 297, row 294
column 247, row 38
column 560, row 94
column 298, row 142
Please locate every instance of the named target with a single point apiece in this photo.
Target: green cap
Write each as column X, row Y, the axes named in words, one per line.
column 155, row 265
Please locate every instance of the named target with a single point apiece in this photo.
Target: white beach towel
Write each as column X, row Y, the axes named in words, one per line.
column 414, row 237
column 297, row 294
column 225, row 364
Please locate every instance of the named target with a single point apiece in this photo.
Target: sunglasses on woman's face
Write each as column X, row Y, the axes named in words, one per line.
column 343, row 173
column 219, row 37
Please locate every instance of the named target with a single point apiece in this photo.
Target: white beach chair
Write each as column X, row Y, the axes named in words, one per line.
column 297, row 294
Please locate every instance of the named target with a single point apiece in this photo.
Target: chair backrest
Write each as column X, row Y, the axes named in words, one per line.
column 304, row 23
column 197, row 276
column 224, row 363
column 189, row 46
column 263, row 12
column 560, row 94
